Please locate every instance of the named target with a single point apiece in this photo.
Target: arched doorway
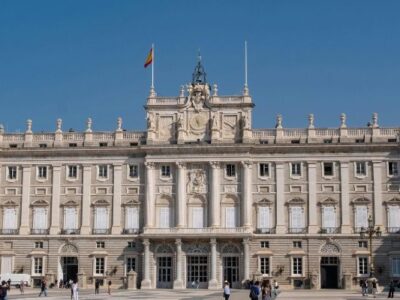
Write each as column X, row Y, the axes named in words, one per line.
column 68, row 263
column 330, row 266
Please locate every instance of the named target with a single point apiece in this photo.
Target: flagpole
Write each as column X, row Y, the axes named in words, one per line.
column 246, row 88
column 152, row 67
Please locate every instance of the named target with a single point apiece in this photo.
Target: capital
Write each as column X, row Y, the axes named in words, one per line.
column 246, row 241
column 180, row 165
column 178, row 242
column 146, row 242
column 213, row 242
column 247, row 164
column 149, row 165
column 214, row 164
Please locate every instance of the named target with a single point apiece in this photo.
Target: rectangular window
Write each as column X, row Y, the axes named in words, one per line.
column 100, row 266
column 38, row 245
column 361, row 218
column 296, row 169
column 230, row 170
column 393, row 168
column 297, row 244
column 9, row 219
column 164, row 217
column 297, row 266
column 362, row 244
column 363, row 265
column 197, row 217
column 133, row 171
column 396, row 266
column 264, row 217
column 328, row 169
column 393, row 218
column 328, row 217
column 130, row 264
column 42, row 145
column 39, row 218
column 103, row 144
column 42, row 172
column 38, row 265
column 6, row 265
column 264, row 244
column 100, row 245
column 70, row 218
column 131, row 217
column 131, row 245
column 264, row 170
column 361, row 168
column 264, row 265
column 230, row 217
column 12, row 173
column 103, row 171
column 296, row 219
column 72, row 171
column 101, row 218
column 165, row 171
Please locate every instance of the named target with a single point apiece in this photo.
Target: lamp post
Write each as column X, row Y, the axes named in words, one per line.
column 370, row 232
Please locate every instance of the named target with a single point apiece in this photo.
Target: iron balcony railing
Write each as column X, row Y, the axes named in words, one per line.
column 100, row 231
column 131, row 231
column 39, row 231
column 9, row 231
column 70, row 231
column 330, row 230
column 265, row 230
column 297, row 230
column 393, row 229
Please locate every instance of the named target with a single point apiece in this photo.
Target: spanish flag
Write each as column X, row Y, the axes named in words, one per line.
column 149, row 59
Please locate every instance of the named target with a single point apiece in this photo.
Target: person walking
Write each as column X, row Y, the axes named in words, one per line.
column 227, row 290
column 43, row 288
column 391, row 289
column 75, row 290
column 97, row 286
column 374, row 289
column 21, row 286
column 255, row 291
column 109, row 287
column 363, row 285
column 3, row 290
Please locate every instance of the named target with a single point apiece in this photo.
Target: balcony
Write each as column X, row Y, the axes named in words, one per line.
column 297, row 230
column 196, row 232
column 393, row 230
column 70, row 231
column 39, row 231
column 9, row 231
column 330, row 230
column 131, row 231
column 265, row 230
column 100, row 231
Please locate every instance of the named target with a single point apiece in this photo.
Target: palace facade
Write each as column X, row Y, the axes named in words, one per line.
column 201, row 197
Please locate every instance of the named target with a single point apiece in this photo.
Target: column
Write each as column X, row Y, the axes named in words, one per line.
column 280, row 198
column 180, row 195
column 146, row 282
column 55, row 201
column 247, row 199
column 116, row 208
column 345, row 202
column 377, row 178
column 178, row 283
column 86, row 215
column 213, row 283
column 149, row 194
column 312, row 198
column 246, row 260
column 215, row 194
column 26, row 186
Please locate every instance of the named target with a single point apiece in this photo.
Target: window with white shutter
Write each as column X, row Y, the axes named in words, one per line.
column 296, row 219
column 164, row 217
column 6, row 265
column 101, row 218
column 70, row 218
column 131, row 218
column 393, row 218
column 230, row 217
column 361, row 217
column 10, row 218
column 39, row 218
column 197, row 217
column 328, row 217
column 263, row 217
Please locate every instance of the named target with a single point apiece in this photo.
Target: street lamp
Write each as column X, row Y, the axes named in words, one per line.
column 370, row 232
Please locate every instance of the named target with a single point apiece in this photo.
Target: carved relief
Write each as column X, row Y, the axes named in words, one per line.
column 69, row 249
column 198, row 95
column 229, row 126
column 197, row 181
column 196, row 248
column 166, row 128
column 330, row 248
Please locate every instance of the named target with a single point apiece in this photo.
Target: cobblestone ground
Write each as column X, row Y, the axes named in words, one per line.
column 195, row 295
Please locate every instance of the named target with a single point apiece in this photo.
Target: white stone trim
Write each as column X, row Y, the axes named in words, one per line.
column 269, row 256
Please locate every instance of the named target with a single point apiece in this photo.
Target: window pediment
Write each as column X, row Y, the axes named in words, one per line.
column 132, row 202
column 230, row 198
column 40, row 203
column 70, row 203
column 393, row 201
column 328, row 201
column 264, row 202
column 361, row 201
column 9, row 203
column 296, row 201
column 164, row 200
column 101, row 203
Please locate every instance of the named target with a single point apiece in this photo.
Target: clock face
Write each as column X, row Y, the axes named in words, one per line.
column 197, row 122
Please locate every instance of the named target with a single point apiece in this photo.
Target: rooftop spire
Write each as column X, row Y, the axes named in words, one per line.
column 199, row 75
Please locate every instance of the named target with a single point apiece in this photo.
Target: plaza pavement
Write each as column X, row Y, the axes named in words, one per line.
column 64, row 294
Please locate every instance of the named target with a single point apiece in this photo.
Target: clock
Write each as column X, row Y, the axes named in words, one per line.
column 197, row 122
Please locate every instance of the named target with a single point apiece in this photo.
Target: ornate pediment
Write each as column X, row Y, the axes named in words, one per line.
column 330, row 248
column 40, row 202
column 328, row 201
column 393, row 201
column 101, row 202
column 361, row 201
column 296, row 201
column 9, row 202
column 264, row 202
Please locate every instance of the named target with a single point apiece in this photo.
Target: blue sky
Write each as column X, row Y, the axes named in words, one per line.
column 75, row 59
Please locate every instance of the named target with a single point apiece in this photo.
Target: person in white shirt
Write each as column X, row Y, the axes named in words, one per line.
column 227, row 290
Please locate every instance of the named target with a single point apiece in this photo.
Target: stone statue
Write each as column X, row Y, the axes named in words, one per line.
column 278, row 121
column 215, row 121
column 58, row 124
column 179, row 122
column 150, row 122
column 343, row 120
column 245, row 122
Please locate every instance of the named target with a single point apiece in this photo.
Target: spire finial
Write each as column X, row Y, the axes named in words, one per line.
column 199, row 75
column 198, row 55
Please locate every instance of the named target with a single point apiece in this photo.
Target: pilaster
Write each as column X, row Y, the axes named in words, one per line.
column 146, row 282
column 345, row 202
column 215, row 194
column 247, row 200
column 246, row 259
column 116, row 223
column 312, row 198
column 55, row 201
column 181, row 195
column 377, row 178
column 178, row 283
column 87, row 183
column 280, row 198
column 149, row 194
column 26, row 186
column 213, row 283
